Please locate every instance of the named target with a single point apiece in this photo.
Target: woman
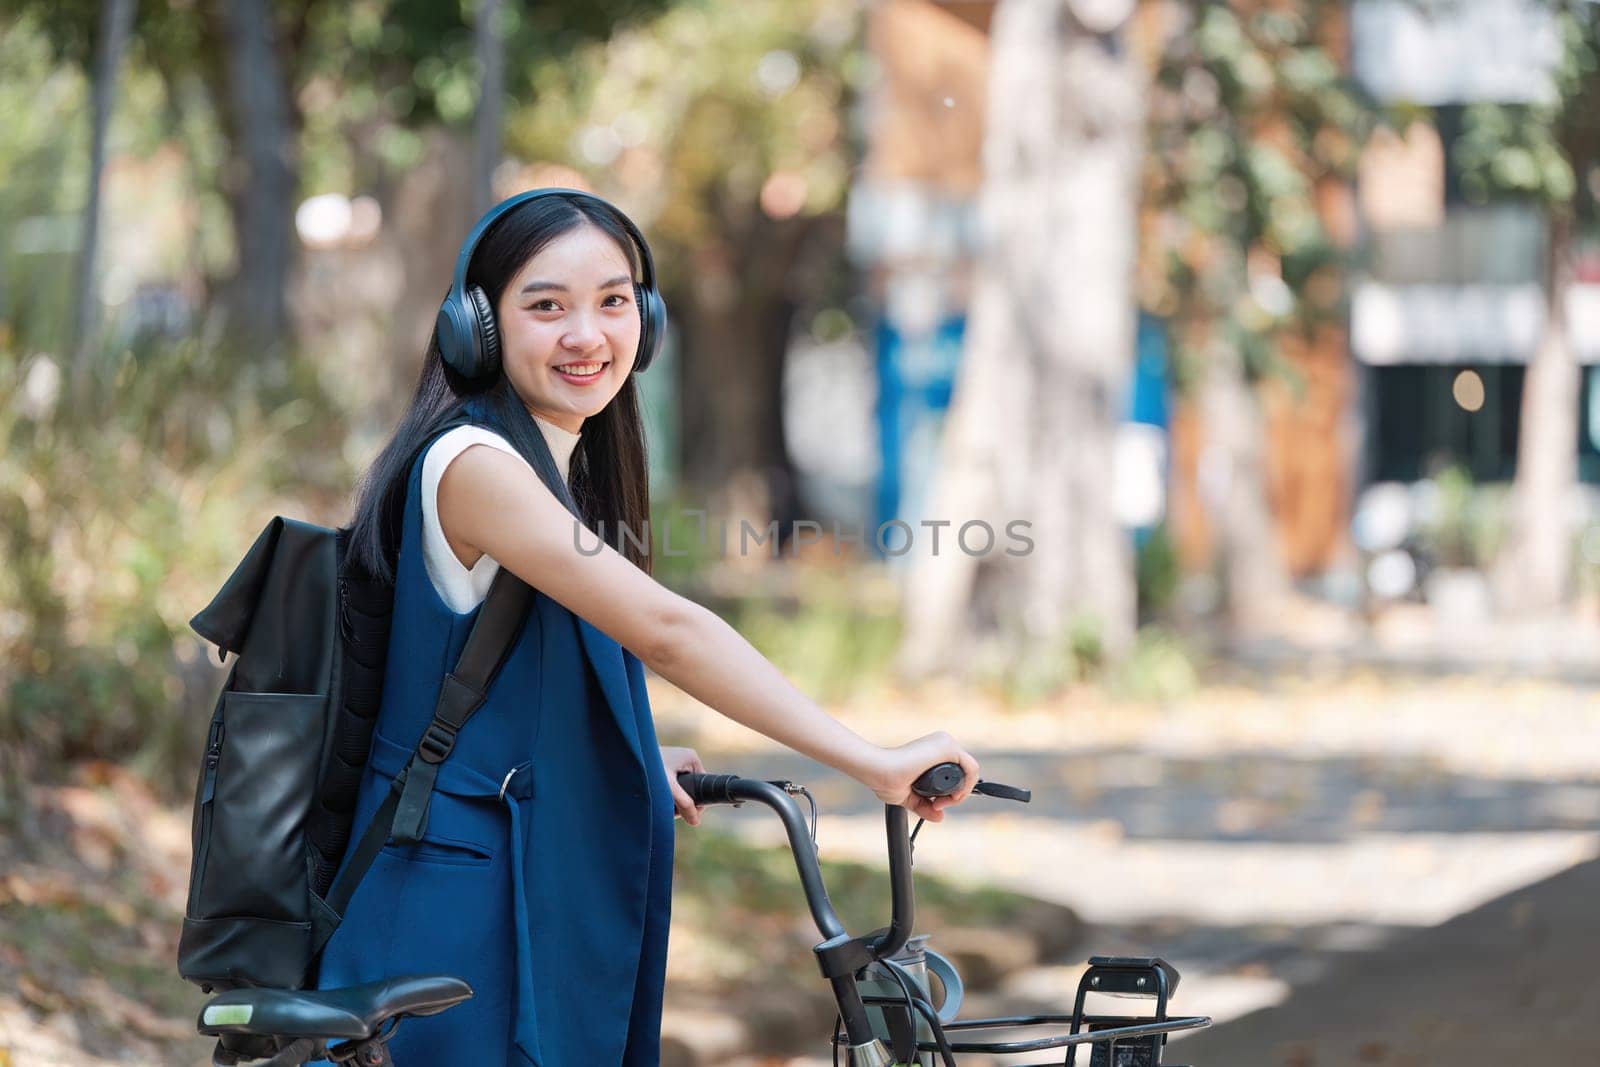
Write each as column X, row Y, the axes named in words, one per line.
column 544, row 876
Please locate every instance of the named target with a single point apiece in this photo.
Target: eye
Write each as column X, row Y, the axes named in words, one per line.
column 621, row 301
column 546, row 305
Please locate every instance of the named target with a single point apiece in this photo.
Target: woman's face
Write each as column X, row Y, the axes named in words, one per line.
column 569, row 328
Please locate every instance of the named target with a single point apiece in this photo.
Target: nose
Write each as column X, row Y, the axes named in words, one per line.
column 583, row 334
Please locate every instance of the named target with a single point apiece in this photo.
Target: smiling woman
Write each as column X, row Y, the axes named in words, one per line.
column 544, row 876
column 568, row 345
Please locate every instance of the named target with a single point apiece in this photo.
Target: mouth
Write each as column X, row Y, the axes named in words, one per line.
column 581, row 373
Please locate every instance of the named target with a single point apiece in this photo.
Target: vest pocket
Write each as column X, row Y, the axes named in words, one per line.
column 446, row 851
column 462, row 830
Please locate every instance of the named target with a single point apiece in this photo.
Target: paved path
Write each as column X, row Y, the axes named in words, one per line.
column 1264, row 840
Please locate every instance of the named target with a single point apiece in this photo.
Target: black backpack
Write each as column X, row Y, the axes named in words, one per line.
column 288, row 742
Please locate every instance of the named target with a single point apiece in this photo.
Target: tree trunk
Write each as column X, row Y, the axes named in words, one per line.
column 1233, row 475
column 491, row 48
column 262, row 177
column 1533, row 571
column 439, row 187
column 116, row 19
column 735, row 313
column 1048, row 355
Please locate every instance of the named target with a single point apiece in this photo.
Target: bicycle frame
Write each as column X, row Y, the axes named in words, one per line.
column 842, row 958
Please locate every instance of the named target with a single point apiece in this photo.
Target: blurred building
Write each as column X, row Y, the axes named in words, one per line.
column 1445, row 306
column 1450, row 286
column 1449, row 306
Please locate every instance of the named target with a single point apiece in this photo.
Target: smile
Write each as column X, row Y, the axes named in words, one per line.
column 581, row 373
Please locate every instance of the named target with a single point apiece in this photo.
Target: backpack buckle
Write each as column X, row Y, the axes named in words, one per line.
column 437, row 741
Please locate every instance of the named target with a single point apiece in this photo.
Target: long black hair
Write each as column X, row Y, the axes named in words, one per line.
column 609, row 475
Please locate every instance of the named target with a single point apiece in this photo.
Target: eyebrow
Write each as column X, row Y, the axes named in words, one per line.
column 536, row 286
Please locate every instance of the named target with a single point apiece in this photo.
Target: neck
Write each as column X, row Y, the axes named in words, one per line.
column 562, row 441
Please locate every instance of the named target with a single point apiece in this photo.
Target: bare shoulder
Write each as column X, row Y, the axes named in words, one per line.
column 497, row 505
column 484, row 490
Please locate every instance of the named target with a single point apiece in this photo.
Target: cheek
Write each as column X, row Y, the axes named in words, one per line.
column 625, row 341
column 528, row 338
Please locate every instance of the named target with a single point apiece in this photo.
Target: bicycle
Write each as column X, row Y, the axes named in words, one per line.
column 845, row 961
column 354, row 1024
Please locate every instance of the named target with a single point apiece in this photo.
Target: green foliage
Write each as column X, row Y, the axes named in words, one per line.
column 1157, row 573
column 1540, row 150
column 750, row 898
column 724, row 874
column 831, row 633
column 655, row 130
column 373, row 73
column 1465, row 524
column 1161, row 667
column 41, row 185
column 124, row 508
column 1249, row 112
column 1022, row 672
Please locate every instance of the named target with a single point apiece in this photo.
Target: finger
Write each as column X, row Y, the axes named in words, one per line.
column 683, row 804
column 924, row 809
column 969, row 766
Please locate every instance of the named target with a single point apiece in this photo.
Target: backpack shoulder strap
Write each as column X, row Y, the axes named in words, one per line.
column 463, row 692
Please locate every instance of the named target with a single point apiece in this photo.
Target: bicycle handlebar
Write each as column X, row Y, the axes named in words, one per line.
column 940, row 780
column 731, row 789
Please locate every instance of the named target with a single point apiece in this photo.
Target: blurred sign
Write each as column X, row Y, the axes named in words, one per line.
column 1394, row 324
column 892, row 221
column 1500, row 244
column 1455, row 51
column 916, row 376
column 916, row 380
column 1141, row 458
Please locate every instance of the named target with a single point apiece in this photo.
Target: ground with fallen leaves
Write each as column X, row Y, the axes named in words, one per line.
column 1301, row 846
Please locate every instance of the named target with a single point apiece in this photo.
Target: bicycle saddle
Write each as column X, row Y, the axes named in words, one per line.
column 353, row 1013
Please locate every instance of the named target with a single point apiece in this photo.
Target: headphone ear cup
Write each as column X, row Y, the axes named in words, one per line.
column 652, row 326
column 488, row 332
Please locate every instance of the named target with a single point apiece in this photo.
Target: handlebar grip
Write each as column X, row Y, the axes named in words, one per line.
column 940, row 780
column 945, row 778
column 708, row 788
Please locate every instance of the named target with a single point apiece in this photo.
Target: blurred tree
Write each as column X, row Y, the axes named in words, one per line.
column 1549, row 151
column 263, row 123
column 116, row 19
column 1253, row 130
column 383, row 71
column 736, row 163
column 489, row 33
column 1048, row 351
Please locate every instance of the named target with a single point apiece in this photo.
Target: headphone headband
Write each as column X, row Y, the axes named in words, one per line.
column 458, row 282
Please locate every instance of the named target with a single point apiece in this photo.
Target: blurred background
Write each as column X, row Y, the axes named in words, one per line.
column 1275, row 322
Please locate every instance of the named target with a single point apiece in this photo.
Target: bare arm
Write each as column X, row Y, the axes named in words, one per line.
column 495, row 504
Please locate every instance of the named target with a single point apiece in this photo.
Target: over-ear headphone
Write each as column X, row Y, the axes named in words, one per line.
column 468, row 336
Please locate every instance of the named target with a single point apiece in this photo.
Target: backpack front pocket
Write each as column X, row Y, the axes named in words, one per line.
column 259, row 786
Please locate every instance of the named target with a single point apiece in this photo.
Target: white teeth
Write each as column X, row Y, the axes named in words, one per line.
column 581, row 369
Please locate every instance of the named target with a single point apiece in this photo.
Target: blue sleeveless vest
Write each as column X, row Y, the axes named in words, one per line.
column 545, row 876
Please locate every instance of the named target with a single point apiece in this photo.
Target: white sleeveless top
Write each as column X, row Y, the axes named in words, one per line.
column 463, row 588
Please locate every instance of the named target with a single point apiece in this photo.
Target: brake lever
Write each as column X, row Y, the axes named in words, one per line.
column 942, row 779
column 1003, row 792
